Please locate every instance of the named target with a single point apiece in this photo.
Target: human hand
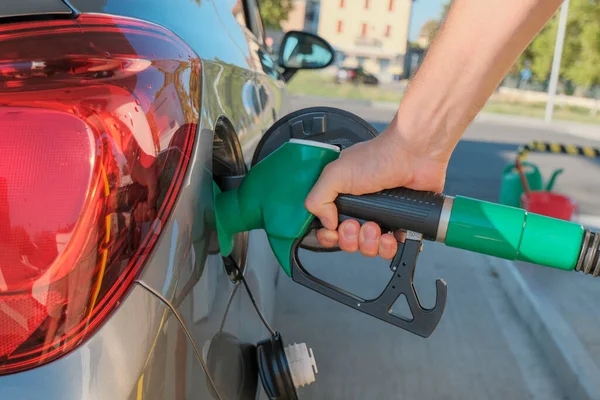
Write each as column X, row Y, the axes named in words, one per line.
column 388, row 161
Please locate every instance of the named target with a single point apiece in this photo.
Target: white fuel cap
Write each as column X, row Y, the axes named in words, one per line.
column 302, row 363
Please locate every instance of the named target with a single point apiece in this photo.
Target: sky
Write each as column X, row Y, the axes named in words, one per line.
column 423, row 10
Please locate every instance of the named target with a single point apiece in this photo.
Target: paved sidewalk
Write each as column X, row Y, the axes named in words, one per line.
column 387, row 110
column 568, row 306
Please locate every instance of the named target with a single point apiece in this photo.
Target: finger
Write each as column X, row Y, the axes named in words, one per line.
column 327, row 238
column 368, row 239
column 388, row 246
column 348, row 235
column 320, row 199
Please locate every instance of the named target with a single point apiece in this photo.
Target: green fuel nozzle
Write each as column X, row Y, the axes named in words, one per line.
column 271, row 197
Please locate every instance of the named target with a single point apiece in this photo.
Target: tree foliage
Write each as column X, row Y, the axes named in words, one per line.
column 581, row 52
column 275, row 11
column 429, row 29
column 433, row 30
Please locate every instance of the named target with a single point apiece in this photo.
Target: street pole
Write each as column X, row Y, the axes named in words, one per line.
column 558, row 49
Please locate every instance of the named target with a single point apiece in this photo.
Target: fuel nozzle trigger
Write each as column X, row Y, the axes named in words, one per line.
column 424, row 320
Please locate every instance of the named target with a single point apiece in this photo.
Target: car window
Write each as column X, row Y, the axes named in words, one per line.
column 254, row 19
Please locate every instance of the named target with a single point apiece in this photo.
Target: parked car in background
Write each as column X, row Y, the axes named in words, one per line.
column 355, row 75
column 116, row 117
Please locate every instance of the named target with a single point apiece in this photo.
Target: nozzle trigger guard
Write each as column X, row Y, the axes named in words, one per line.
column 403, row 265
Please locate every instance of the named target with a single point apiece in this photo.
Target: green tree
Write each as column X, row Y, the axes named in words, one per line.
column 275, row 11
column 429, row 29
column 433, row 30
column 581, row 53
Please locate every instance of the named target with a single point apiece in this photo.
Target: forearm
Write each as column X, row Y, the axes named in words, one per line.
column 472, row 52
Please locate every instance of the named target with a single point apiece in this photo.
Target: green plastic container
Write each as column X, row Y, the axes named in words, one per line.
column 512, row 189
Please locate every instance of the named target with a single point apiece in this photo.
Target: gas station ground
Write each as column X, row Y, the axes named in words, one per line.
column 510, row 331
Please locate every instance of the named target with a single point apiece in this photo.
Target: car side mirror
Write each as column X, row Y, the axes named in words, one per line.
column 303, row 50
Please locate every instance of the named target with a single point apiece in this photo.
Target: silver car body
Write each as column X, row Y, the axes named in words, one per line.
column 155, row 344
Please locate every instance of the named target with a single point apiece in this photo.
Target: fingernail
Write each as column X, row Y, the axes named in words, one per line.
column 350, row 232
column 370, row 233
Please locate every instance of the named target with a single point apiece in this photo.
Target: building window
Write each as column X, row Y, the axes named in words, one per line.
column 341, row 3
column 388, row 30
column 391, row 5
column 339, row 57
column 340, row 26
column 363, row 31
column 384, row 64
column 366, row 4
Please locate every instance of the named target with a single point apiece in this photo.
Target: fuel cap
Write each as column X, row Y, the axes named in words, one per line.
column 282, row 370
column 321, row 124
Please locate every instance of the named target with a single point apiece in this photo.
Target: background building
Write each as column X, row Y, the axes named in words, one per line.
column 304, row 16
column 368, row 33
column 296, row 17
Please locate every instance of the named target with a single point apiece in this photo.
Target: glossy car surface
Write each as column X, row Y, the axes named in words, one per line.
column 182, row 317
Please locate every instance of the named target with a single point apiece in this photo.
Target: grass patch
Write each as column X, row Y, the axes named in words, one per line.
column 313, row 83
column 538, row 110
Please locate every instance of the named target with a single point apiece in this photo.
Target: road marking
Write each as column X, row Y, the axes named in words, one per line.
column 140, row 387
column 574, row 368
column 528, row 356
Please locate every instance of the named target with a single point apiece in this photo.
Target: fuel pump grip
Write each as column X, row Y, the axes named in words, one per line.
column 272, row 194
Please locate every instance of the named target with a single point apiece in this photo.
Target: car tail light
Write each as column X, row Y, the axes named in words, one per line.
column 98, row 117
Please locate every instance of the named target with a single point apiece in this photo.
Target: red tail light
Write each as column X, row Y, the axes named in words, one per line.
column 97, row 123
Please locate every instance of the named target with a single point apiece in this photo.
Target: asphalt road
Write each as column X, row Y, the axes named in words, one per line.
column 481, row 349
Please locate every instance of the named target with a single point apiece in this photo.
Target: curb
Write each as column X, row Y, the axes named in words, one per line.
column 576, row 372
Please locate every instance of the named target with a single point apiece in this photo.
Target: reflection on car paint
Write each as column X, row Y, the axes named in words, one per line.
column 85, row 226
column 231, row 58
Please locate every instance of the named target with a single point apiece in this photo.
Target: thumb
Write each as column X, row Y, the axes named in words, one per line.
column 320, row 199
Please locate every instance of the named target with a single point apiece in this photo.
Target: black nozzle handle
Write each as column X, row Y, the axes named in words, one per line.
column 394, row 209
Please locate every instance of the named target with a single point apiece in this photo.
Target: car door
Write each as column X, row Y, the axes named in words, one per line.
column 186, row 270
column 217, row 310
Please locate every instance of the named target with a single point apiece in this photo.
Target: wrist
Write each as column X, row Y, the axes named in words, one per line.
column 421, row 136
